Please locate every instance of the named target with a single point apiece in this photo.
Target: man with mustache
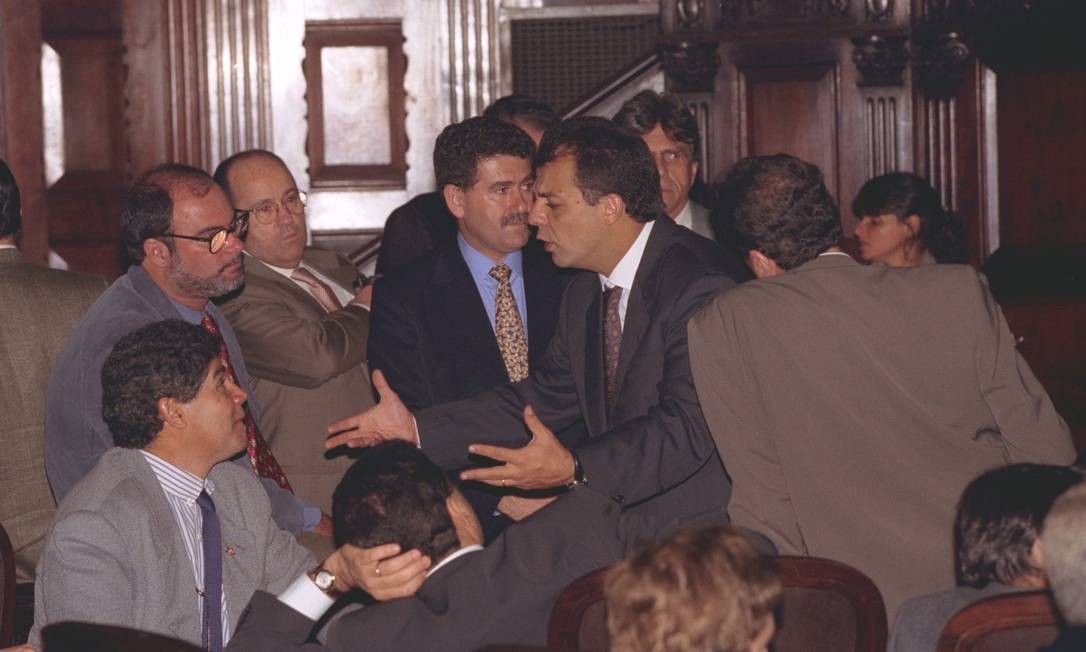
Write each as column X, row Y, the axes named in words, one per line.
column 300, row 323
column 185, row 240
column 479, row 313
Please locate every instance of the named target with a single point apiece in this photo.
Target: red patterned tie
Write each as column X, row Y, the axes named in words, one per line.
column 260, row 456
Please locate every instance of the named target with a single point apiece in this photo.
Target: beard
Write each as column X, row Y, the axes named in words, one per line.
column 206, row 288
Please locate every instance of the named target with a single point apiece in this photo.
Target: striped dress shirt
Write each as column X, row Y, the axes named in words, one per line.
column 182, row 489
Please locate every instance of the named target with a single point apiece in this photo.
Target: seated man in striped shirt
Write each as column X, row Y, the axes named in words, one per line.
column 159, row 536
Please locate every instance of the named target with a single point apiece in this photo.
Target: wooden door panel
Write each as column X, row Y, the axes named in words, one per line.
column 793, row 110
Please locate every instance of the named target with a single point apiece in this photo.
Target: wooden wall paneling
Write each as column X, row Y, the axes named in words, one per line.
column 21, row 117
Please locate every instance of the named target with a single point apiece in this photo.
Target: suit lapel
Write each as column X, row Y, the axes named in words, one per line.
column 595, row 392
column 241, row 569
column 457, row 314
column 332, row 266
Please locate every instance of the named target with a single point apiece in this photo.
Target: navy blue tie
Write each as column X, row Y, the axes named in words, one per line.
column 211, row 537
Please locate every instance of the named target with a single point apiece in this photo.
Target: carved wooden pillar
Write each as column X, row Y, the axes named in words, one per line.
column 197, row 85
column 471, row 68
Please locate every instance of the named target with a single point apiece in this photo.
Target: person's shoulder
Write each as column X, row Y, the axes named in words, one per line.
column 112, row 488
column 417, row 275
column 688, row 256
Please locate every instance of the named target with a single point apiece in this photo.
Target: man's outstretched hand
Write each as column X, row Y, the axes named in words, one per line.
column 389, row 419
column 541, row 464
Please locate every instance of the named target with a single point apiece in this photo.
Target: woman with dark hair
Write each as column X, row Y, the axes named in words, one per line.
column 903, row 223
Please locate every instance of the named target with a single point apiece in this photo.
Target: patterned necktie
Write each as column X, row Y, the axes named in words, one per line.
column 612, row 338
column 211, row 538
column 260, row 456
column 507, row 326
column 318, row 288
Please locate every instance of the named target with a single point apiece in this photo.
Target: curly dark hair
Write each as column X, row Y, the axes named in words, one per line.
column 1000, row 516
column 778, row 205
column 903, row 194
column 167, row 359
column 393, row 493
column 461, row 146
column 11, row 220
column 148, row 206
column 510, row 108
column 608, row 160
column 641, row 113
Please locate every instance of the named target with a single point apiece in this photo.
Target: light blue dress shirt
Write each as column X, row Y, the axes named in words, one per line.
column 479, row 266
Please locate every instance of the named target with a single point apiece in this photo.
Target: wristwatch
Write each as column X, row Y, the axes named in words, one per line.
column 578, row 472
column 325, row 580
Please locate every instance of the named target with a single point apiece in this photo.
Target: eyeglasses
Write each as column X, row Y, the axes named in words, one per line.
column 217, row 239
column 266, row 211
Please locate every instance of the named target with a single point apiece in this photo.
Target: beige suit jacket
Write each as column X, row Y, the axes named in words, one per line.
column 38, row 309
column 852, row 404
column 307, row 367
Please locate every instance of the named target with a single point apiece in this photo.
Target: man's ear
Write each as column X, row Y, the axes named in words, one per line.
column 762, row 265
column 169, row 410
column 156, row 252
column 913, row 222
column 454, row 200
column 695, row 165
column 613, row 207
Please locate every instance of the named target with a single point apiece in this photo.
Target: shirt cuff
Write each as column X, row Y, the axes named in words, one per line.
column 311, row 516
column 418, row 437
column 304, row 597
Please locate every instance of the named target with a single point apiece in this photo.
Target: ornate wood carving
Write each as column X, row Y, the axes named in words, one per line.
column 881, row 60
column 690, row 66
column 690, row 14
column 940, row 63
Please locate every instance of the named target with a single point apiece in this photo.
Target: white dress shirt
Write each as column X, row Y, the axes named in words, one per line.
column 626, row 270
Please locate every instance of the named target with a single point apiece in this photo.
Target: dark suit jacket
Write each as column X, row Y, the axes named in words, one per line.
column 503, row 594
column 432, row 339
column 422, row 225
column 430, row 333
column 653, row 443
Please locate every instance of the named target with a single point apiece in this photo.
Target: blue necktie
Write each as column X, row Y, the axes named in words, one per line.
column 211, row 637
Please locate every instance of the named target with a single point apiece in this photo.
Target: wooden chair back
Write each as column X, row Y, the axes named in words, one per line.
column 1014, row 621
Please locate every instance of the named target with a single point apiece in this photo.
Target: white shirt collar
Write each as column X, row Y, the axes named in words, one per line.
column 459, row 553
column 626, row 270
column 686, row 215
column 8, row 246
column 285, row 271
column 834, row 253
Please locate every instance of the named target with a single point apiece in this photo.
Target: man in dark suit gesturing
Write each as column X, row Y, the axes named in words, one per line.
column 476, row 314
column 618, row 359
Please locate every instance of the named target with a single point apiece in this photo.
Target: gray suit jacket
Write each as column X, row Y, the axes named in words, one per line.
column 852, row 404
column 650, row 449
column 307, row 367
column 75, row 434
column 40, row 307
column 503, row 594
column 921, row 620
column 116, row 556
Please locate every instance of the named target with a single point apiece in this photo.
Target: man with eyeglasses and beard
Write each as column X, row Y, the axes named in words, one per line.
column 479, row 313
column 302, row 319
column 185, row 242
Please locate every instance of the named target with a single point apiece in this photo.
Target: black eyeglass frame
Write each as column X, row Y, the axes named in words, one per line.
column 239, row 225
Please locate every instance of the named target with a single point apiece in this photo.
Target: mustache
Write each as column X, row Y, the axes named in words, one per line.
column 515, row 219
